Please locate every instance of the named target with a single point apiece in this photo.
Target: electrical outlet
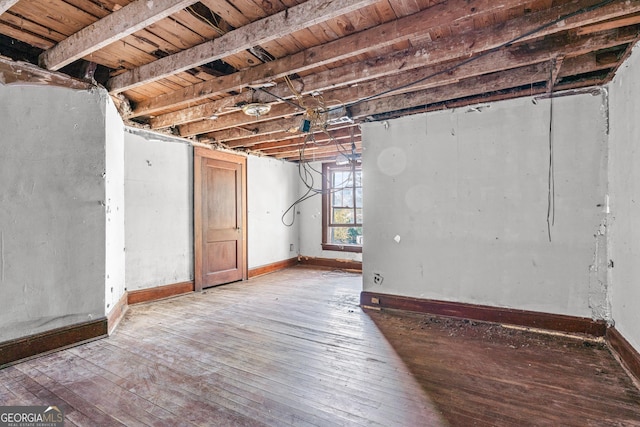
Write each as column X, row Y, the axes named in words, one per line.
column 377, row 278
column 290, row 247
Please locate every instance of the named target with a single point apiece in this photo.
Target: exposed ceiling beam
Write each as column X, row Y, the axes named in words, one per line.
column 309, row 13
column 6, row 5
column 259, row 130
column 23, row 72
column 314, row 153
column 271, row 138
column 528, row 75
column 238, row 119
column 433, row 52
column 270, row 148
column 258, row 140
column 115, row 26
column 541, row 51
column 401, row 63
column 275, row 139
column 630, row 20
column 413, row 27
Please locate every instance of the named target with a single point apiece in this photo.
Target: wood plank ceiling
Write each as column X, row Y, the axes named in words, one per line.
column 189, row 67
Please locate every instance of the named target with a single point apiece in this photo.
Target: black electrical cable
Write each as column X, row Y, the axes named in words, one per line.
column 305, row 171
column 551, row 185
column 282, row 99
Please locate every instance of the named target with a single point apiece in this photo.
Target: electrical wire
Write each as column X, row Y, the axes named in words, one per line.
column 214, row 26
column 306, row 172
column 281, row 98
column 551, row 185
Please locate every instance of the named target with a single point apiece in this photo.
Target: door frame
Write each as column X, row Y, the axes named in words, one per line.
column 200, row 155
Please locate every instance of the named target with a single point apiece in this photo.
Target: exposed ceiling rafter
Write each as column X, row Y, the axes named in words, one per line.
column 272, row 27
column 416, row 26
column 113, row 27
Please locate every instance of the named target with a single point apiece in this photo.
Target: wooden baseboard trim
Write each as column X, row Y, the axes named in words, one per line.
column 530, row 319
column 117, row 313
column 159, row 292
column 24, row 348
column 340, row 264
column 628, row 355
column 275, row 266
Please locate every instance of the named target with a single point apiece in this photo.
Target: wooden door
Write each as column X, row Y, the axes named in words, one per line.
column 220, row 220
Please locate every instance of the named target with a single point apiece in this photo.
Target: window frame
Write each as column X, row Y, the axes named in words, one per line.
column 327, row 171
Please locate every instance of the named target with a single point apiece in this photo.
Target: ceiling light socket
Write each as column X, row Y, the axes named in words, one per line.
column 256, row 109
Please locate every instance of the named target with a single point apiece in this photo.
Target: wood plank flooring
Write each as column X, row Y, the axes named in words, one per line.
column 293, row 348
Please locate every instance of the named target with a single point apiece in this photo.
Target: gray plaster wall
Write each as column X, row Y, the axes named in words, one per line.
column 624, row 173
column 114, row 207
column 455, row 205
column 52, row 215
column 310, row 219
column 272, row 186
column 158, row 179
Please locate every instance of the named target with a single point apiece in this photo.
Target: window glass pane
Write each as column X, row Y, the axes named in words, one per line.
column 359, row 215
column 358, row 178
column 336, row 198
column 343, row 199
column 346, row 235
column 348, row 198
column 348, row 179
column 340, row 179
column 358, row 197
column 342, row 216
column 334, row 179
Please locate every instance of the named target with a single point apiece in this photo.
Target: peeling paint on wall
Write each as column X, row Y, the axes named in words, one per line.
column 598, row 276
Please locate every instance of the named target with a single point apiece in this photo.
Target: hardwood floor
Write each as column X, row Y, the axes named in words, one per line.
column 294, row 348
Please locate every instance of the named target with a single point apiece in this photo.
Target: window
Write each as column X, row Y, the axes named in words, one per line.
column 342, row 207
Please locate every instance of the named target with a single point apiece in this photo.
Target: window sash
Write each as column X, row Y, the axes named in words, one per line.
column 342, row 208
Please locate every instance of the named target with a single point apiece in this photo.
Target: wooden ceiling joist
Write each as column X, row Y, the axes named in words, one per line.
column 382, row 69
column 133, row 17
column 12, row 72
column 293, row 144
column 315, row 153
column 278, row 137
column 237, row 119
column 413, row 27
column 464, row 88
column 429, row 52
column 528, row 75
column 446, row 74
column 272, row 27
column 258, row 130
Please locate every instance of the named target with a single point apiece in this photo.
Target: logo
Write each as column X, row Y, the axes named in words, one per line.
column 31, row 416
